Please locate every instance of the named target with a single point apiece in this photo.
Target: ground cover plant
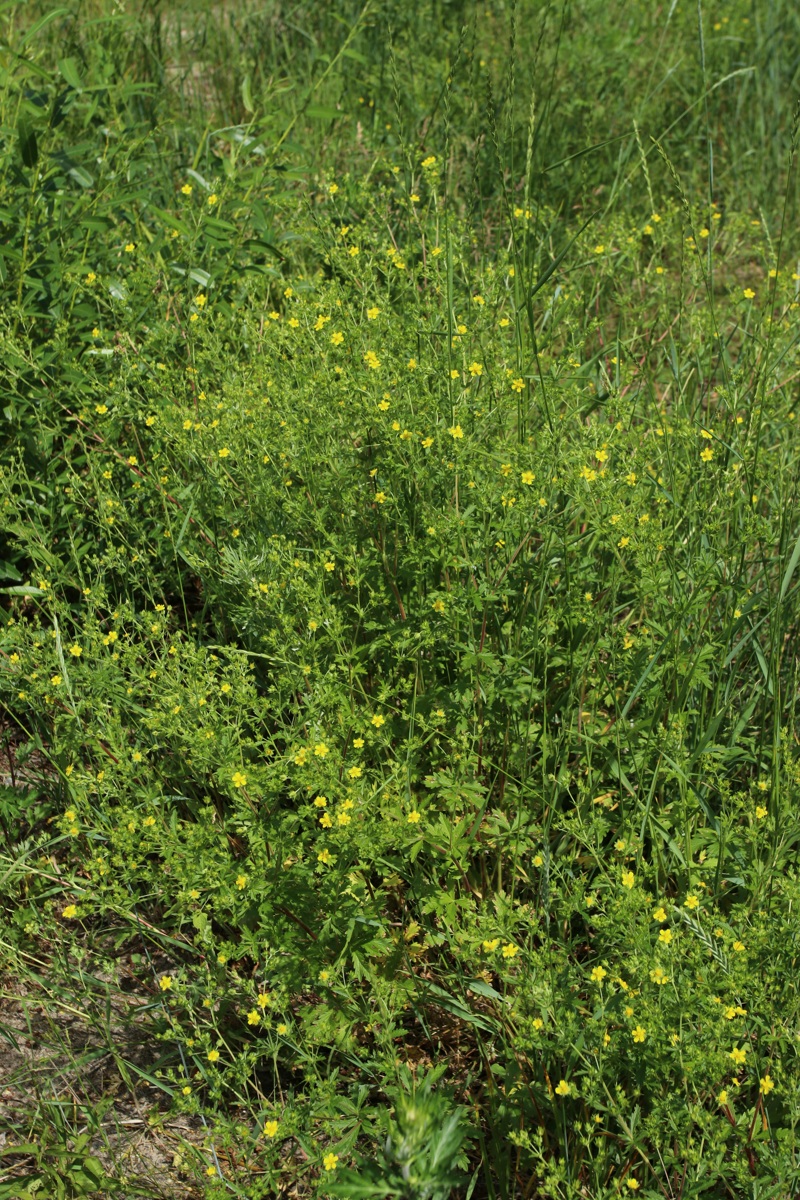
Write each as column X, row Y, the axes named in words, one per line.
column 399, row 559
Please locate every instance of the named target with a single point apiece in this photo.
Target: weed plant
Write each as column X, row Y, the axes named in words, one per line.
column 400, row 597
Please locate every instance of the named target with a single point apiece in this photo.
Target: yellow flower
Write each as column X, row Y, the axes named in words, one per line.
column 476, row 369
column 413, row 818
column 748, row 293
column 377, row 720
column 598, row 974
column 658, row 975
column 263, row 1000
column 665, row 936
column 324, row 856
column 633, row 1184
column 69, row 912
column 337, row 338
column 630, row 479
column 619, row 844
column 253, row 1017
column 722, row 1098
column 325, row 821
column 628, row 879
column 282, row 1029
column 761, row 812
column 187, row 189
column 372, row 360
column 517, row 384
column 510, row 950
column 330, row 1162
column 562, row 1088
column 527, row 477
column 738, row 947
column 212, row 199
column 355, row 772
column 691, row 901
column 75, row 651
column 270, row 1128
column 149, row 822
column 491, row 945
column 330, row 566
column 213, row 1056
column 766, row 1085
column 130, row 247
column 321, row 802
column 639, row 1033
column 456, row 431
column 438, row 606
column 241, row 882
column 707, row 454
column 55, row 680
column 238, row 779
column 738, row 1055
column 165, row 983
column 373, row 313
column 320, row 750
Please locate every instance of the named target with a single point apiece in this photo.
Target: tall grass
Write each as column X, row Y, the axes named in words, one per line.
column 400, row 578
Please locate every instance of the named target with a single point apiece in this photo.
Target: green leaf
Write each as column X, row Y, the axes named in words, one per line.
column 247, row 95
column 28, row 145
column 321, row 112
column 69, row 72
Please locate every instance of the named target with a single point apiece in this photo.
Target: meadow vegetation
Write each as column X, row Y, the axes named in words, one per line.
column 399, row 576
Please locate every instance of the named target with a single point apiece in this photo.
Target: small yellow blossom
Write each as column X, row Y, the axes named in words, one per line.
column 562, row 1088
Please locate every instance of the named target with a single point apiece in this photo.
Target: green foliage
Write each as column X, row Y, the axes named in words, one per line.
column 400, row 595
